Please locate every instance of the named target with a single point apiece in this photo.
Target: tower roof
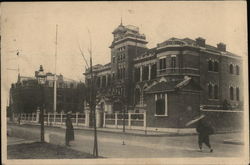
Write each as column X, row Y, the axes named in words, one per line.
column 120, row 28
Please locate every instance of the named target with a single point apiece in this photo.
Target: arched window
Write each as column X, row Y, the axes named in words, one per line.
column 137, row 96
column 237, row 70
column 237, row 94
column 231, row 93
column 210, row 65
column 216, row 66
column 216, row 92
column 210, row 91
column 231, row 68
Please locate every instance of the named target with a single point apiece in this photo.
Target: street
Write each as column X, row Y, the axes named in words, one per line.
column 111, row 144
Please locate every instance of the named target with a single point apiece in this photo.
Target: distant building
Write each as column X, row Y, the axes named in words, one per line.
column 170, row 81
column 26, row 96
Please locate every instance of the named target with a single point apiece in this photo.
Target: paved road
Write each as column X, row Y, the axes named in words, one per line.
column 110, row 145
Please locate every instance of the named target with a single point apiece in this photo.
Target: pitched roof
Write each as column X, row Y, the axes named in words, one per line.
column 163, row 86
column 173, row 85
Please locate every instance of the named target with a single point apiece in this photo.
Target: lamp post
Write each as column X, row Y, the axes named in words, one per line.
column 41, row 77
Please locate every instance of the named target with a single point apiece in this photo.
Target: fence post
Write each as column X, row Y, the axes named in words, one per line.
column 86, row 118
column 37, row 115
column 145, row 122
column 77, row 118
column 116, row 120
column 104, row 118
column 54, row 118
column 129, row 120
column 48, row 115
column 32, row 116
column 61, row 117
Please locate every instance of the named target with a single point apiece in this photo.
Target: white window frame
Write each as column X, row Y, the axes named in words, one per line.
column 166, row 105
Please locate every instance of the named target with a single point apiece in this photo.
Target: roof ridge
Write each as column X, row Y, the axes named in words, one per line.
column 184, row 82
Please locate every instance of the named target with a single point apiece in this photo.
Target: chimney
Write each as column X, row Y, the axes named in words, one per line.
column 200, row 42
column 221, row 47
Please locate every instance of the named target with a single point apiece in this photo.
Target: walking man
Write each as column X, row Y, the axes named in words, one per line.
column 69, row 136
column 204, row 130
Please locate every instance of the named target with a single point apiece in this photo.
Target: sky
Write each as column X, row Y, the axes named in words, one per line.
column 30, row 27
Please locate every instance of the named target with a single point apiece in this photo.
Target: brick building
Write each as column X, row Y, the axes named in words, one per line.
column 170, row 81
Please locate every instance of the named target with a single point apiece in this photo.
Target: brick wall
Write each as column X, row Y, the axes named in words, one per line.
column 225, row 121
column 178, row 112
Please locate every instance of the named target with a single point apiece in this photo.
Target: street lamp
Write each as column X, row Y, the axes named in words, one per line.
column 41, row 78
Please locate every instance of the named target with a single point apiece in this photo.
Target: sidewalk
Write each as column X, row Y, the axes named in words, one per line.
column 127, row 130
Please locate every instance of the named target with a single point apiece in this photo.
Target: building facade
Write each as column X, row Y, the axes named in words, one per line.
column 26, row 95
column 170, row 81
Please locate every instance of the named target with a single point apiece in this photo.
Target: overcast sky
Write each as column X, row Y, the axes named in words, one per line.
column 31, row 27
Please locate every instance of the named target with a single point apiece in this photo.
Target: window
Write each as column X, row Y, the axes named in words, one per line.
column 137, row 96
column 153, row 71
column 231, row 93
column 160, row 107
column 237, row 94
column 231, row 69
column 210, row 65
column 173, row 61
column 216, row 66
column 162, row 63
column 161, row 104
column 104, row 81
column 109, row 80
column 98, row 82
column 123, row 73
column 145, row 71
column 210, row 91
column 216, row 92
column 237, row 70
column 137, row 74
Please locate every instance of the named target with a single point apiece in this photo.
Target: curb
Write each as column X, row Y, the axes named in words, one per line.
column 233, row 141
column 161, row 134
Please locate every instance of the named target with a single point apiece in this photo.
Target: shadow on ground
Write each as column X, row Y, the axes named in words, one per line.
column 39, row 150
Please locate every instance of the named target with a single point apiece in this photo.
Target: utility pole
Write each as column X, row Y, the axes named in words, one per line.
column 19, row 90
column 55, row 77
column 124, row 109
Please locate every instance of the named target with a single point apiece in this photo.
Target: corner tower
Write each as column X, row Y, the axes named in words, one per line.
column 128, row 43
